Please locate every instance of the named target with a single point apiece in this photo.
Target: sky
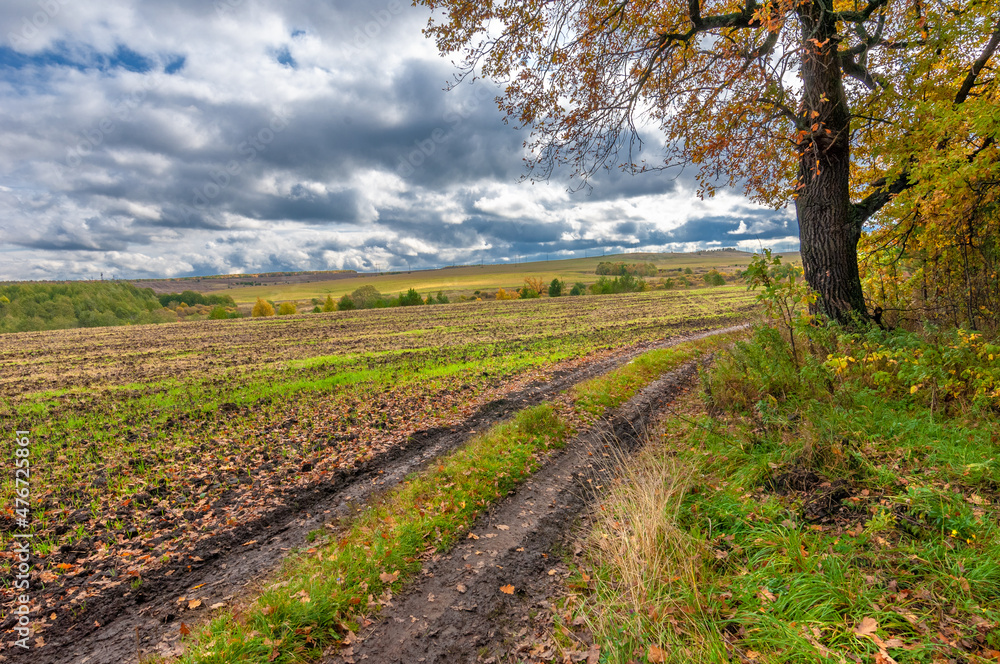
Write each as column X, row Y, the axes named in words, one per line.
column 168, row 138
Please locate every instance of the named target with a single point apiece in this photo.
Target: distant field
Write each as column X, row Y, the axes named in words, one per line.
column 465, row 280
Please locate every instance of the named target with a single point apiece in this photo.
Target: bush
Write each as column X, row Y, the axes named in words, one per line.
column 624, row 284
column 287, row 309
column 555, row 288
column 218, row 313
column 329, row 304
column 410, row 299
column 346, row 304
column 714, row 278
column 579, row 288
column 317, row 310
column 366, row 297
column 262, row 308
column 441, row 298
column 504, row 295
column 527, row 293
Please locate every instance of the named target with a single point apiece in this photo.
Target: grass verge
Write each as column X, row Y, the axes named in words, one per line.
column 326, row 592
column 804, row 515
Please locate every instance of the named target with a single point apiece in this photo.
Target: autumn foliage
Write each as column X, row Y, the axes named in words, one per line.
column 818, row 104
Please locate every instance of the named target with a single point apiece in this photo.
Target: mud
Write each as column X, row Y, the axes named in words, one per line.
column 120, row 625
column 460, row 612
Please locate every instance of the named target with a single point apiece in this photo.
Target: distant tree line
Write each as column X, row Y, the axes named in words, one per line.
column 192, row 298
column 26, row 307
column 626, row 269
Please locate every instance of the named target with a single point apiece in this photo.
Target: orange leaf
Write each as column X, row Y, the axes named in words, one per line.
column 656, row 655
column 185, row 630
column 507, row 590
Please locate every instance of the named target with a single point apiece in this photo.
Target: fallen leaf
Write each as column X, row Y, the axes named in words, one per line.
column 766, row 594
column 194, row 604
column 461, row 588
column 185, row 630
column 507, row 590
column 472, row 536
column 866, row 627
column 385, row 577
column 217, row 605
column 656, row 655
column 503, row 527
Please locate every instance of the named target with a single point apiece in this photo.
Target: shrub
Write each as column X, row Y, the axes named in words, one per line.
column 366, row 297
column 316, row 310
column 410, row 299
column 579, row 288
column 218, row 313
column 527, row 293
column 262, row 308
column 346, row 304
column 287, row 309
column 441, row 298
column 504, row 295
column 535, row 284
column 555, row 288
column 623, row 284
column 714, row 278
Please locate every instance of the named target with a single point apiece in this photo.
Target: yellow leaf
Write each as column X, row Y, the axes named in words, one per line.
column 194, row 604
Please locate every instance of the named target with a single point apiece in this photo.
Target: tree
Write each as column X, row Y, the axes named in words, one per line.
column 346, row 303
column 329, row 304
column 262, row 308
column 555, row 287
column 579, row 288
column 811, row 101
column 366, row 297
column 411, row 298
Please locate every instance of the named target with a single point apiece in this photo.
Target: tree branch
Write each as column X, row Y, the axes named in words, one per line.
column 978, row 65
column 861, row 16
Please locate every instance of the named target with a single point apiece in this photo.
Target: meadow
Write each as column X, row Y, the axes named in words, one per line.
column 148, row 440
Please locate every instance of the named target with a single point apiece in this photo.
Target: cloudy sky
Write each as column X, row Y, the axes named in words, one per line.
column 182, row 137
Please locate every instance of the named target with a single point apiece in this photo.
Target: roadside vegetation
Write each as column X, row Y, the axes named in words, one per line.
column 830, row 495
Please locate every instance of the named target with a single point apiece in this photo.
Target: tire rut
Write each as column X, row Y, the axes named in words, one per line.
column 457, row 613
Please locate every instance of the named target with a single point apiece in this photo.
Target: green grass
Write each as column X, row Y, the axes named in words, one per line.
column 913, row 558
column 383, row 547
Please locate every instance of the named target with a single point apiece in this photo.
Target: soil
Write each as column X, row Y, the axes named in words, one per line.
column 473, row 603
column 124, row 623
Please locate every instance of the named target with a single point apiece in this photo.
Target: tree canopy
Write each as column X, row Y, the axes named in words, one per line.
column 824, row 103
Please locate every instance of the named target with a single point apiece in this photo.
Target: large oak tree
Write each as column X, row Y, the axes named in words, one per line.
column 804, row 100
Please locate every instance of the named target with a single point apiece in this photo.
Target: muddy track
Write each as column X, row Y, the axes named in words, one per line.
column 116, row 626
column 457, row 613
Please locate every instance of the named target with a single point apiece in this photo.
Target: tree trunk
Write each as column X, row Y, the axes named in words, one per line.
column 829, row 229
